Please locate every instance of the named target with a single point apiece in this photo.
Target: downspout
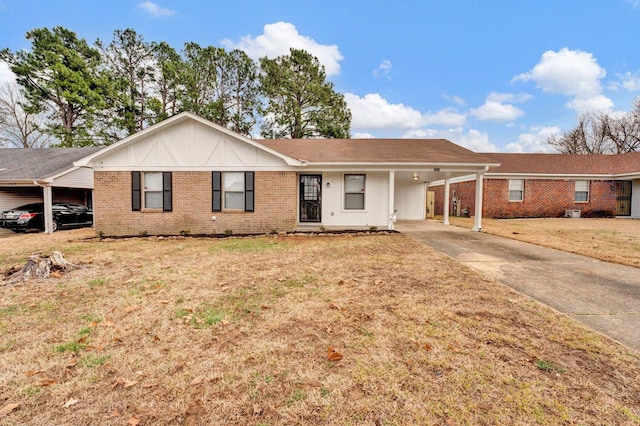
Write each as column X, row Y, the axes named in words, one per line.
column 47, row 196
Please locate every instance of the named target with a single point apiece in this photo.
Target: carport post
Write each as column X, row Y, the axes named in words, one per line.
column 48, row 213
column 477, row 223
column 392, row 196
column 446, row 201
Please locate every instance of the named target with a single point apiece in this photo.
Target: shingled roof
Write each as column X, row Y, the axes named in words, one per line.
column 432, row 151
column 565, row 164
column 28, row 164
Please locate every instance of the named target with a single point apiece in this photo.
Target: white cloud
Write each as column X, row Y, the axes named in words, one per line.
column 628, row 81
column 457, row 100
column 595, row 103
column 279, row 37
column 472, row 139
column 536, row 141
column 154, row 9
column 496, row 111
column 509, row 97
column 6, row 75
column 374, row 112
column 445, row 117
column 570, row 72
column 362, row 135
column 384, row 69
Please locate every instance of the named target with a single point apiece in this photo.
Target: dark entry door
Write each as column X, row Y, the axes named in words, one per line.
column 623, row 198
column 310, row 198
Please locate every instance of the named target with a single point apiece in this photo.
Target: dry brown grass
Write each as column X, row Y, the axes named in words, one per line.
column 611, row 240
column 235, row 331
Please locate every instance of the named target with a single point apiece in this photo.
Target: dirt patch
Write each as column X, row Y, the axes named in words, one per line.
column 238, row 331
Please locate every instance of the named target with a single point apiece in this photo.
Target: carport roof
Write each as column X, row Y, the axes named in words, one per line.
column 27, row 164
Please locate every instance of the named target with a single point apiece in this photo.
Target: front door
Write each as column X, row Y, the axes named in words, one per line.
column 310, row 198
column 623, row 198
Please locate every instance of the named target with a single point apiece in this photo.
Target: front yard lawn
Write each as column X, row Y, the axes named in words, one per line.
column 237, row 331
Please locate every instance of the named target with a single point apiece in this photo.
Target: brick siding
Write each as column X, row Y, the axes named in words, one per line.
column 542, row 198
column 275, row 206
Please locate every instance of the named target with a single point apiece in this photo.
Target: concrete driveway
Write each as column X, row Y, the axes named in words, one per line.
column 601, row 295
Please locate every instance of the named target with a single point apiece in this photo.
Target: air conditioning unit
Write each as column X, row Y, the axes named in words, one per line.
column 572, row 213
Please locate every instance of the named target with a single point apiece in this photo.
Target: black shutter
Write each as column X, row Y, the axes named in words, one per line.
column 135, row 191
column 216, row 177
column 248, row 192
column 167, row 199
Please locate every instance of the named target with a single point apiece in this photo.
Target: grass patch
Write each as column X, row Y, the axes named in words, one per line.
column 73, row 346
column 92, row 361
column 96, row 282
column 246, row 245
column 549, row 366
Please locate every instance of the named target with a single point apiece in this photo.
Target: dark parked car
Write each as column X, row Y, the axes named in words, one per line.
column 31, row 216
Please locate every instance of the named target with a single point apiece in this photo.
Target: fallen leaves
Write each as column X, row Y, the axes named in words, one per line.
column 7, row 409
column 46, row 382
column 134, row 421
column 121, row 381
column 333, row 355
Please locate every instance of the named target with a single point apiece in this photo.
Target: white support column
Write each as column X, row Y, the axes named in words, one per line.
column 446, row 201
column 392, row 197
column 48, row 205
column 477, row 223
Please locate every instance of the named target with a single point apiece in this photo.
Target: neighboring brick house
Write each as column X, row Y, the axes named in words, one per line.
column 189, row 175
column 550, row 185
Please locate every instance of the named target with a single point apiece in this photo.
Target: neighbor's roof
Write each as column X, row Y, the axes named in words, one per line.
column 376, row 151
column 27, row 164
column 565, row 164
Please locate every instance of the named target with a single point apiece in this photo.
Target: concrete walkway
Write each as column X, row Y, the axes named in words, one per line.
column 601, row 295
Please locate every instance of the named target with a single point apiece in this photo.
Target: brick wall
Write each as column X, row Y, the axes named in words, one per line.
column 275, row 206
column 542, row 198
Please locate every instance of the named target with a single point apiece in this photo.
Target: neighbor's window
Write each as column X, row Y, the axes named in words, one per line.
column 233, row 191
column 582, row 191
column 516, row 189
column 151, row 190
column 354, row 186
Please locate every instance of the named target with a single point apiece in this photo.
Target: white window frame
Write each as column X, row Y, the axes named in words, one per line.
column 226, row 185
column 146, row 190
column 226, row 191
column 347, row 192
column 516, row 185
column 582, row 187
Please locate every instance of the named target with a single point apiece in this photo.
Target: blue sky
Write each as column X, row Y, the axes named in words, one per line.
column 492, row 75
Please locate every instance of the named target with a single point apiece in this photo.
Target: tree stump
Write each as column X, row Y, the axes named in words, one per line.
column 40, row 267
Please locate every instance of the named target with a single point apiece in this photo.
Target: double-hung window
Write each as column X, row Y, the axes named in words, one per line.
column 582, row 191
column 354, row 190
column 516, row 189
column 232, row 191
column 151, row 191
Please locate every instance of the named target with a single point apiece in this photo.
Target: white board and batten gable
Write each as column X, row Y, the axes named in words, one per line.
column 188, row 142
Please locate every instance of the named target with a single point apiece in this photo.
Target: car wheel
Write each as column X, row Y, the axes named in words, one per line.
column 55, row 226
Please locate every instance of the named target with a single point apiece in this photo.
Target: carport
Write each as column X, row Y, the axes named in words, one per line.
column 30, row 175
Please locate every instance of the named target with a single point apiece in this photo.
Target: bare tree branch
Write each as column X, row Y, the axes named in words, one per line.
column 18, row 127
